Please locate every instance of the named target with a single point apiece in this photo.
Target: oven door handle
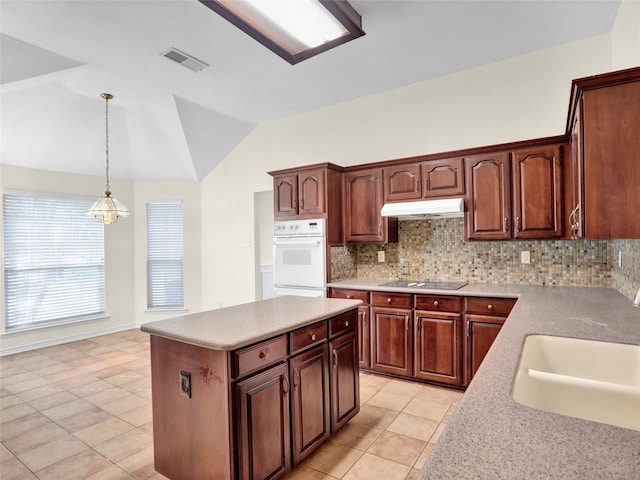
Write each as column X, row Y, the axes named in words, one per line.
column 293, row 242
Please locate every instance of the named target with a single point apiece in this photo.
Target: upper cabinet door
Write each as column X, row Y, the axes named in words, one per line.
column 285, row 196
column 364, row 200
column 443, row 178
column 402, row 183
column 311, row 192
column 537, row 191
column 489, row 213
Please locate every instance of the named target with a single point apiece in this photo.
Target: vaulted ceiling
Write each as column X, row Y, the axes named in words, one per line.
column 170, row 123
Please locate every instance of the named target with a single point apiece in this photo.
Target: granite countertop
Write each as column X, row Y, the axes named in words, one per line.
column 491, row 436
column 238, row 326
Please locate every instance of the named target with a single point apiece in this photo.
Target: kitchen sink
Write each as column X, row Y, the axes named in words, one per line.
column 596, row 381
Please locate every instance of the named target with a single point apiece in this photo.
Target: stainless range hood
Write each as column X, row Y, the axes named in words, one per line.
column 445, row 208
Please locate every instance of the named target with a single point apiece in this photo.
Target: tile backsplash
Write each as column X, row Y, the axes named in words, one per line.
column 435, row 249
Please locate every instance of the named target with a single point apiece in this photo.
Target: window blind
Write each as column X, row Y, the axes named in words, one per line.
column 164, row 255
column 53, row 260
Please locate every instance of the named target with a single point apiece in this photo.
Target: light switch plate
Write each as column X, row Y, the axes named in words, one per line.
column 525, row 257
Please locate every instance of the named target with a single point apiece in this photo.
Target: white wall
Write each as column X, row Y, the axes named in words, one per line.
column 626, row 36
column 125, row 251
column 517, row 99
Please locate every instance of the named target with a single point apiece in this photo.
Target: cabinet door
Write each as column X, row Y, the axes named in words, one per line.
column 345, row 383
column 481, row 332
column 443, row 178
column 402, row 183
column 363, row 221
column 364, row 337
column 263, row 433
column 576, row 221
column 537, row 193
column 438, row 352
column 311, row 187
column 392, row 341
column 285, row 195
column 309, row 373
column 489, row 214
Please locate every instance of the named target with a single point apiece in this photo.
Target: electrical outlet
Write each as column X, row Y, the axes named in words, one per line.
column 525, row 257
column 381, row 256
column 185, row 384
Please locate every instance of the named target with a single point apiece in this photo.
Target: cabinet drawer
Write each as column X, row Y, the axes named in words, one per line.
column 307, row 336
column 343, row 323
column 386, row 299
column 438, row 303
column 490, row 306
column 349, row 294
column 256, row 357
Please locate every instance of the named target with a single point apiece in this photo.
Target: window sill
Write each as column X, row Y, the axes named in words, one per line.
column 14, row 332
column 166, row 309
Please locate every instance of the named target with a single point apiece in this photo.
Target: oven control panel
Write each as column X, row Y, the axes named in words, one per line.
column 293, row 228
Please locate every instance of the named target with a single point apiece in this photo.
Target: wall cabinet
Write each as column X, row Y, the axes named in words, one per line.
column 425, row 180
column 314, row 191
column 515, row 195
column 484, row 318
column 438, row 335
column 363, row 203
column 605, row 156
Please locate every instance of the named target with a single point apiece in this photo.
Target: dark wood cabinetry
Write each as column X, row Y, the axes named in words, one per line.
column 345, row 382
column 392, row 333
column 515, row 195
column 443, row 178
column 264, row 448
column 484, row 318
column 363, row 203
column 605, row 156
column 438, row 335
column 489, row 192
column 314, row 191
column 364, row 325
column 402, row 183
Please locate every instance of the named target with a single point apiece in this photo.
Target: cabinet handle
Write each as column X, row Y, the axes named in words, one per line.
column 335, row 357
column 467, row 328
column 302, row 203
column 264, row 356
column 348, row 297
column 313, row 337
column 364, row 319
column 506, row 224
column 285, row 384
column 389, row 300
column 380, row 229
column 406, row 321
column 346, row 324
column 436, row 303
column 517, row 224
column 490, row 307
column 296, row 378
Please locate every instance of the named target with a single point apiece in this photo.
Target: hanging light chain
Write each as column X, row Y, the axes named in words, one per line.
column 107, row 97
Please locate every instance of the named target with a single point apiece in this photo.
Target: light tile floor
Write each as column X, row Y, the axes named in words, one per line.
column 82, row 410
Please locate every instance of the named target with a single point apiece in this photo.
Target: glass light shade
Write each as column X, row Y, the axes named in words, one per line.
column 108, row 209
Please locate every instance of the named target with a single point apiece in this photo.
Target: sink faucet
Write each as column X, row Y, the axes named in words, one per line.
column 636, row 302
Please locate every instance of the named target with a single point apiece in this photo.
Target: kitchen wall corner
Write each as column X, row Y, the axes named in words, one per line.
column 626, row 279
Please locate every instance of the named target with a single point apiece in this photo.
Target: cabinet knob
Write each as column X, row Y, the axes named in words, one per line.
column 348, row 296
column 436, row 303
column 264, row 355
column 313, row 337
column 490, row 307
column 346, row 324
column 388, row 300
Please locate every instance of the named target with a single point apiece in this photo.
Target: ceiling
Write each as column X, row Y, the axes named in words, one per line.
column 169, row 123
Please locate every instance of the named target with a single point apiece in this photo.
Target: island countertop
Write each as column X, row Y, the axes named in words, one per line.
column 491, row 436
column 234, row 327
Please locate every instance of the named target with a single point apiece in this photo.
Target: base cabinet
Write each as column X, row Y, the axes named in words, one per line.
column 264, row 448
column 345, row 382
column 437, row 347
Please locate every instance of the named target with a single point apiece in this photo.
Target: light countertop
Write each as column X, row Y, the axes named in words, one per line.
column 238, row 326
column 491, row 436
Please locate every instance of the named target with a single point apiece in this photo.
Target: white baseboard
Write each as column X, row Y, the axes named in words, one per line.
column 72, row 338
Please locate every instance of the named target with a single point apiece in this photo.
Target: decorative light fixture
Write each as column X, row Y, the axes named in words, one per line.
column 293, row 29
column 107, row 209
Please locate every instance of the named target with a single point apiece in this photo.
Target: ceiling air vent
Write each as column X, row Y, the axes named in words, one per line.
column 185, row 60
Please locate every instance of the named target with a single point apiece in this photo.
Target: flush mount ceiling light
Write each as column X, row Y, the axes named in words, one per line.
column 107, row 209
column 293, row 29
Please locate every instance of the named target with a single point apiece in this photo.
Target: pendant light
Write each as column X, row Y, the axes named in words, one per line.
column 107, row 209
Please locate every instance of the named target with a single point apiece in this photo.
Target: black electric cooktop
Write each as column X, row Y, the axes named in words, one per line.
column 426, row 284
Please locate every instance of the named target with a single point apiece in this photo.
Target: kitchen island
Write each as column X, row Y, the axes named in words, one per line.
column 231, row 386
column 490, row 435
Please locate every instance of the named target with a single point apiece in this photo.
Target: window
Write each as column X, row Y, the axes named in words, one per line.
column 164, row 255
column 53, row 260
